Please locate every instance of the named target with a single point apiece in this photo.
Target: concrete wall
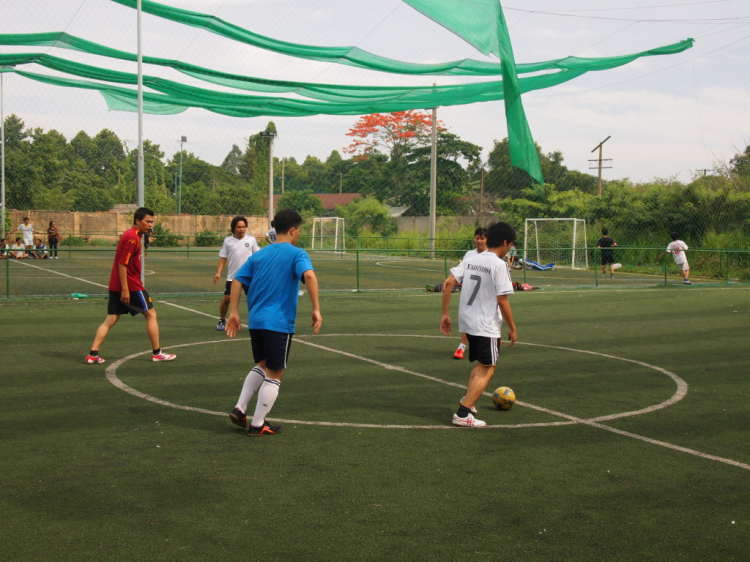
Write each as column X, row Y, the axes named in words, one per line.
column 422, row 224
column 110, row 225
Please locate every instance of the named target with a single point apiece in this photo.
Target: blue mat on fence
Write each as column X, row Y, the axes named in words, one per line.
column 533, row 265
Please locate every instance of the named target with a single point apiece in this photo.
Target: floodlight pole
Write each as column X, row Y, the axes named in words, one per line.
column 2, row 155
column 270, row 136
column 433, row 183
column 141, row 198
column 179, row 197
column 599, row 146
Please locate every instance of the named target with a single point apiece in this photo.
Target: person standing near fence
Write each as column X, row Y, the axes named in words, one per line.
column 127, row 295
column 27, row 231
column 234, row 251
column 605, row 244
column 273, row 276
column 678, row 248
column 53, row 237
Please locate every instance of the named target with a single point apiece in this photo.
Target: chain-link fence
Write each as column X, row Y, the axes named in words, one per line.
column 71, row 155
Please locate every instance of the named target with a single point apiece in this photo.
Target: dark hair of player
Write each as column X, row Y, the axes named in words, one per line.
column 286, row 219
column 141, row 213
column 674, row 236
column 235, row 220
column 605, row 231
column 481, row 231
column 498, row 233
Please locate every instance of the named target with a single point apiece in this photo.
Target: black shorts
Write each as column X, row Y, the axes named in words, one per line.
column 608, row 256
column 228, row 288
column 272, row 346
column 140, row 302
column 483, row 349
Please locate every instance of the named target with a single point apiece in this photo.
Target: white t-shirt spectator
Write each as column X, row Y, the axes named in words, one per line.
column 484, row 277
column 236, row 251
column 27, row 231
column 677, row 249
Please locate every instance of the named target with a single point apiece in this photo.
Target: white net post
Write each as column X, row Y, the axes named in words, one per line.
column 329, row 233
column 560, row 241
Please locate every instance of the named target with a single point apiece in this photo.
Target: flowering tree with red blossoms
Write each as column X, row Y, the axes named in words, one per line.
column 395, row 134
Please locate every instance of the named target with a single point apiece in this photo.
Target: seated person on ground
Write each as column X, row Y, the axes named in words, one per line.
column 18, row 249
column 40, row 250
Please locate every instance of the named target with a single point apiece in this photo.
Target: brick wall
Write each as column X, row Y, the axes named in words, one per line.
column 110, row 225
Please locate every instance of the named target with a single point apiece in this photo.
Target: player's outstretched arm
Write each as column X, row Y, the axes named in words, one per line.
column 504, row 304
column 445, row 318
column 233, row 322
column 311, row 282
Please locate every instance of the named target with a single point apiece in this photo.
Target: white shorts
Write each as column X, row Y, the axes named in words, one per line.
column 684, row 266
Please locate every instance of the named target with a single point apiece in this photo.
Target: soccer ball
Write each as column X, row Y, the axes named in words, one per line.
column 504, row 398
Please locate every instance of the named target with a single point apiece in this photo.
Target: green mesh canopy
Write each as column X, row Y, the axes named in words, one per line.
column 466, row 18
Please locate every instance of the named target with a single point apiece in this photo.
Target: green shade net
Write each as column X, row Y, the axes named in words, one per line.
column 467, row 19
column 170, row 97
column 342, row 99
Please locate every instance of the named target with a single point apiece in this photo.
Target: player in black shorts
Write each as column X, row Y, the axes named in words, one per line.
column 605, row 243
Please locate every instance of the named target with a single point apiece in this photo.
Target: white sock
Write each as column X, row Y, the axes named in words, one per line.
column 462, row 347
column 267, row 394
column 252, row 383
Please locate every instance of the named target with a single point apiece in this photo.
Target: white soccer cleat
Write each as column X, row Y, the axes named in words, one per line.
column 164, row 357
column 468, row 421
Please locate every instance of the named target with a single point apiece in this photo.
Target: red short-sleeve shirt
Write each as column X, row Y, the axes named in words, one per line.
column 128, row 254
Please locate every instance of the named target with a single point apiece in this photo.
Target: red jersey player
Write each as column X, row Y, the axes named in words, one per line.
column 127, row 295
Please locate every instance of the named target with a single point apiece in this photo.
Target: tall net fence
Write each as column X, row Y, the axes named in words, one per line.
column 70, row 158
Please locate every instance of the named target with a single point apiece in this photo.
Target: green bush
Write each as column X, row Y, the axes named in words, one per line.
column 163, row 238
column 74, row 241
column 100, row 242
column 208, row 238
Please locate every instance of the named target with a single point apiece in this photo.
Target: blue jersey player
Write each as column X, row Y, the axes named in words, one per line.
column 272, row 276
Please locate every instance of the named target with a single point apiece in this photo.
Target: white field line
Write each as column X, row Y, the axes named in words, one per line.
column 682, row 387
column 64, row 274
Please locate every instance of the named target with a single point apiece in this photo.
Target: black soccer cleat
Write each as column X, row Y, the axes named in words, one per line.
column 238, row 418
column 265, row 429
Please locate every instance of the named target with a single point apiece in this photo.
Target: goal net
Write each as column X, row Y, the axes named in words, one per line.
column 328, row 234
column 558, row 241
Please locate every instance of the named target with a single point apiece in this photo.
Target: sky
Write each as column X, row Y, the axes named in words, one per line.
column 669, row 117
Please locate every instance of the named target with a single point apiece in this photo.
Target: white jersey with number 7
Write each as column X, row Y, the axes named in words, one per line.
column 484, row 277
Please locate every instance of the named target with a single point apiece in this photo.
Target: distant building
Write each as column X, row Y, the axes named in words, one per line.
column 329, row 200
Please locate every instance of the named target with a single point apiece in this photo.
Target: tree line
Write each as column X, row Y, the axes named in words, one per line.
column 388, row 162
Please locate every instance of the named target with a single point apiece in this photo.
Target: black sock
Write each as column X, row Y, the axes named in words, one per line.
column 157, row 351
column 462, row 411
column 93, row 353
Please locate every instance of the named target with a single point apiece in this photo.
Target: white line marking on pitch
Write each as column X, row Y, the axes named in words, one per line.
column 64, row 275
column 593, row 422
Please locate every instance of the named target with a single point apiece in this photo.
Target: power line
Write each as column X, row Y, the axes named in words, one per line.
column 650, row 20
column 646, row 7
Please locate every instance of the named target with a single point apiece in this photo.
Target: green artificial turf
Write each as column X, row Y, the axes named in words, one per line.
column 90, row 472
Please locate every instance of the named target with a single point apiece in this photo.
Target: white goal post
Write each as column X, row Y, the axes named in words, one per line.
column 558, row 241
column 328, row 233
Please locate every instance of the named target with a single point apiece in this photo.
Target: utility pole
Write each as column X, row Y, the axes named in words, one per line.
column 481, row 194
column 283, row 161
column 599, row 161
column 270, row 136
column 179, row 197
column 433, row 183
column 705, row 171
